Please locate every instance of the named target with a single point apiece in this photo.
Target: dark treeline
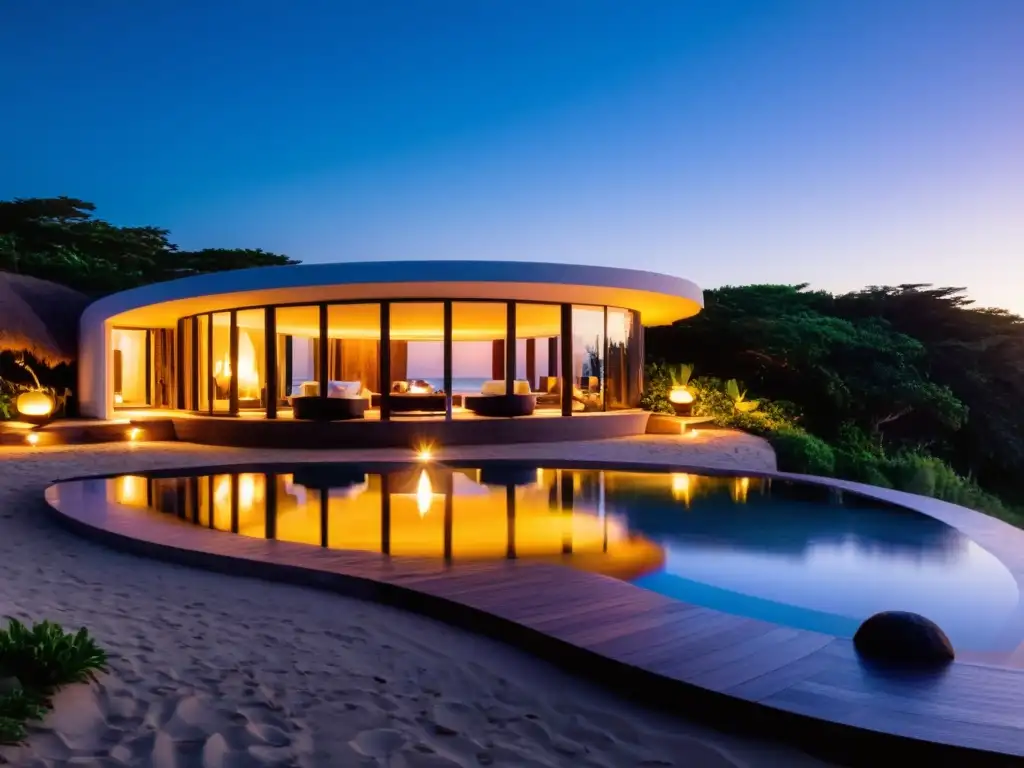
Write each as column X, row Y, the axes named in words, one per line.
column 59, row 239
column 882, row 371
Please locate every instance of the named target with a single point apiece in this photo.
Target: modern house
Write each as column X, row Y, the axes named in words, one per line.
column 377, row 341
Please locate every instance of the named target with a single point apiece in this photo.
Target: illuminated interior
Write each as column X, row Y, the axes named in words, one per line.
column 130, row 360
column 226, row 367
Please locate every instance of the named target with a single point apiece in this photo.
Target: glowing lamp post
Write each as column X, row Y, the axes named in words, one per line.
column 682, row 400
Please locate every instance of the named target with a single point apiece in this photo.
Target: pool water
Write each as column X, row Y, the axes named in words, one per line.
column 793, row 554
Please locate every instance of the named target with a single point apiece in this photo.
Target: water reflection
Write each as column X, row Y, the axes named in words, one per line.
column 792, row 553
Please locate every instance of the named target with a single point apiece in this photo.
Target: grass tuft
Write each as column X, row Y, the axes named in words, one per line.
column 34, row 662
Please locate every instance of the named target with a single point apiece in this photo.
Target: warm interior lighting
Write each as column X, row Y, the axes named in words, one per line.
column 32, row 438
column 540, row 476
column 130, row 490
column 118, row 398
column 424, row 493
column 680, row 395
column 34, row 403
column 248, row 376
column 419, row 389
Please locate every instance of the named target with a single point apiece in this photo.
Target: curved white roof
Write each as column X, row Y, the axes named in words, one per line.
column 660, row 298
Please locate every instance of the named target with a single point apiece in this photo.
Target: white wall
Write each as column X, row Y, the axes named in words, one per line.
column 94, row 366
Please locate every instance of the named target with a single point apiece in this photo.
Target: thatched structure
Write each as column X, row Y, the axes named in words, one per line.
column 40, row 318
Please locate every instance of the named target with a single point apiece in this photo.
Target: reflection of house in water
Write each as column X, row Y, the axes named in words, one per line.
column 427, row 510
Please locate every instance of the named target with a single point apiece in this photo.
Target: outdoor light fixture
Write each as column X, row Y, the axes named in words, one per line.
column 35, row 403
column 134, row 434
column 424, row 452
column 682, row 400
column 32, row 439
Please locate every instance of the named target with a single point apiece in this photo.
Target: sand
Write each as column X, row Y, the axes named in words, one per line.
column 210, row 670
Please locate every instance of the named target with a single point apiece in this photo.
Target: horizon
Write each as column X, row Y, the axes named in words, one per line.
column 728, row 143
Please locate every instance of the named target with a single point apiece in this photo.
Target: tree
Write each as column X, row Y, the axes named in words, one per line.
column 790, row 344
column 58, row 239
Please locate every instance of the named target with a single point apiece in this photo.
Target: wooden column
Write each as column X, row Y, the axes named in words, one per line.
column 531, row 363
column 567, row 359
column 498, row 359
column 270, row 362
column 324, row 374
column 233, row 361
column 448, row 360
column 510, row 347
column 385, row 363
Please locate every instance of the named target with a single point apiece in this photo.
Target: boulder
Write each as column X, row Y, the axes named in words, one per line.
column 898, row 637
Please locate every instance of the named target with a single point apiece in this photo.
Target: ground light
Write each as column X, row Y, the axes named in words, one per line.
column 134, row 434
column 425, row 452
column 32, row 439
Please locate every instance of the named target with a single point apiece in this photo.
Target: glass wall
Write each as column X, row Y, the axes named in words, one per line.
column 538, row 351
column 353, row 349
column 220, row 380
column 252, row 360
column 204, row 363
column 417, row 347
column 588, row 358
column 225, row 354
column 298, row 346
column 131, row 373
column 478, row 346
column 622, row 368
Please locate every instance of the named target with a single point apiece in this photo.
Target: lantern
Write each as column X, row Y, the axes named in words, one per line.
column 682, row 400
column 35, row 404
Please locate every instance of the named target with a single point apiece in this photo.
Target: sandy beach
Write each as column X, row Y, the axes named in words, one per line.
column 210, row 670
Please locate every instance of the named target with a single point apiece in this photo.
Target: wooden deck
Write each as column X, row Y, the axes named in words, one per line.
column 757, row 677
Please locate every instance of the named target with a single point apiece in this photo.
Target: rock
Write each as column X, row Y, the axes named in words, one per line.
column 904, row 638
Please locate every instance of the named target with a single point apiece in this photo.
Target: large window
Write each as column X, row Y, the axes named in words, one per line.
column 417, row 347
column 204, row 362
column 623, row 366
column 478, row 345
column 220, row 379
column 588, row 358
column 131, row 354
column 252, row 359
column 538, row 349
column 353, row 349
column 298, row 343
column 229, row 364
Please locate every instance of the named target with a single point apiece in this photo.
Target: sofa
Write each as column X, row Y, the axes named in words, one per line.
column 345, row 400
column 492, row 400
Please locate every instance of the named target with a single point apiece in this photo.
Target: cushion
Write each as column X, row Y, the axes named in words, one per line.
column 344, row 388
column 497, row 387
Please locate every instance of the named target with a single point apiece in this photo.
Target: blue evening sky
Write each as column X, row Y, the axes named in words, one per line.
column 836, row 142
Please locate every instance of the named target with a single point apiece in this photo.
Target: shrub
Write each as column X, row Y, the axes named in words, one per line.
column 801, row 452
column 657, row 383
column 40, row 659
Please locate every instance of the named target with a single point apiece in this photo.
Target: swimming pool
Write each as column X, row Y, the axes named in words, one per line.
column 795, row 554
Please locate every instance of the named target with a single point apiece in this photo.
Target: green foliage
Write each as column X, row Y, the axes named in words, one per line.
column 801, row 452
column 41, row 658
column 680, row 374
column 880, row 375
column 657, row 383
column 58, row 239
column 739, row 397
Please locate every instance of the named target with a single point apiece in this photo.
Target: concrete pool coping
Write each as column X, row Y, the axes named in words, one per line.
column 804, row 686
